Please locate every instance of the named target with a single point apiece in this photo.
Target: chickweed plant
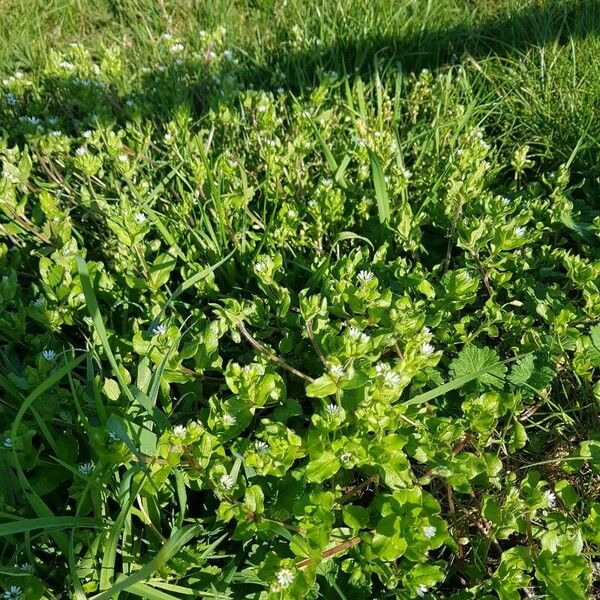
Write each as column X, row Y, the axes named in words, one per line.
column 342, row 342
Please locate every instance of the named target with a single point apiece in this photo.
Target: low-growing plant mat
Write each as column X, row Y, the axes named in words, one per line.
column 300, row 300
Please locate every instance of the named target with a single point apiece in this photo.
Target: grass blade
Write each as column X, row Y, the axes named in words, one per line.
column 383, row 203
column 166, row 553
column 46, row 523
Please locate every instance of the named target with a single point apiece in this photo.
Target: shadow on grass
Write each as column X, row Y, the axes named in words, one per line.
column 507, row 35
column 196, row 84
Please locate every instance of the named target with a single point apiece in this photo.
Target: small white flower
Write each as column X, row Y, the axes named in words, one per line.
column 19, row 74
column 336, row 370
column 421, row 591
column 260, row 266
column 167, row 36
column 520, row 231
column 81, row 151
column 8, row 443
column 291, row 213
column 427, row 349
column 177, row 48
column 229, row 419
column 123, row 158
column 168, row 137
column 505, row 200
column 55, row 133
column 179, row 430
column 159, row 329
column 139, row 217
column 49, row 355
column 280, row 91
column 354, row 332
column 382, row 368
column 13, row 593
column 65, row 64
column 86, row 468
column 10, row 99
column 87, row 134
column 27, row 567
column 130, row 103
column 261, row 447
column 364, row 276
column 345, row 457
column 429, row 531
column 39, row 302
column 95, row 69
column 391, row 379
column 284, row 577
column 228, row 54
column 226, row 481
column 550, row 498
column 333, row 409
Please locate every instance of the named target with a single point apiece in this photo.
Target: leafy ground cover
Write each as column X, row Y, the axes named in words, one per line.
column 300, row 301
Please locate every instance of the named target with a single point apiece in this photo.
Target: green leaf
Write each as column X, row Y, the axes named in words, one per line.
column 481, row 363
column 111, row 389
column 321, row 387
column 349, row 235
column 566, row 492
column 356, row 517
column 160, row 270
column 594, row 348
column 531, row 373
column 324, row 467
column 387, row 541
column 254, row 499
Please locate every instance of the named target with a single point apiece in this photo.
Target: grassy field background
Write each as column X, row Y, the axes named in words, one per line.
column 183, row 182
column 532, row 62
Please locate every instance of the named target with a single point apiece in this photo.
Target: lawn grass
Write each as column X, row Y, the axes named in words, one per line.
column 299, row 299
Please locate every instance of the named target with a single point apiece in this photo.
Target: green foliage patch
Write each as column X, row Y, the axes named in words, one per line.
column 340, row 344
